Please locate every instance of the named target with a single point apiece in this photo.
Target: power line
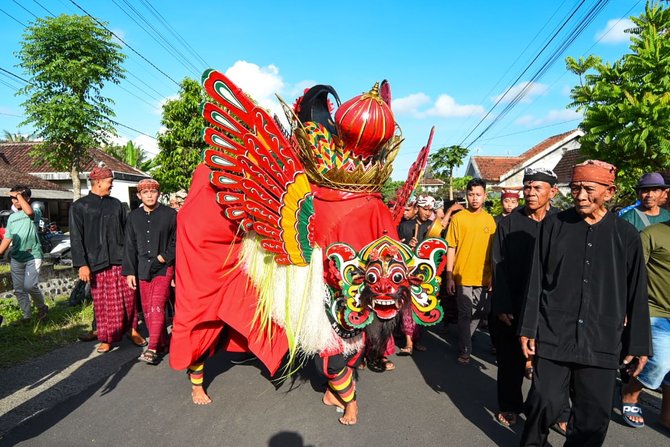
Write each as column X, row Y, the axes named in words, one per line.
column 174, row 32
column 624, row 16
column 530, row 130
column 14, row 75
column 11, row 114
column 157, row 36
column 584, row 22
column 41, row 6
column 125, row 43
column 13, row 18
column 565, row 22
column 25, row 9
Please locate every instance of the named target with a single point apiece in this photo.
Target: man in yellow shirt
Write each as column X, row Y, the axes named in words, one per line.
column 470, row 238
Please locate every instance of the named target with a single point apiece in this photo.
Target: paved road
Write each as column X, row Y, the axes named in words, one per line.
column 74, row 397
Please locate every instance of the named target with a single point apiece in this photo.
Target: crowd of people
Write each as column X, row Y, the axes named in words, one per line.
column 569, row 297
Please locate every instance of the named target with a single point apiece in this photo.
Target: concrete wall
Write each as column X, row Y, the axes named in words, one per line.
column 53, row 282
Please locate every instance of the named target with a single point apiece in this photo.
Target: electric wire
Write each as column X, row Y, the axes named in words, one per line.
column 514, row 83
column 13, row 18
column 577, row 30
column 566, row 71
column 174, row 32
column 42, row 6
column 125, row 43
column 25, row 9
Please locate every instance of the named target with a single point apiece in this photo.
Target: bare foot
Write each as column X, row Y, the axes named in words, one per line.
column 199, row 396
column 350, row 414
column 331, row 399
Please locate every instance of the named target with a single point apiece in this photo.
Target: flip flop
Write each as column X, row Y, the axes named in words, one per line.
column 137, row 340
column 631, row 410
column 104, row 348
column 506, row 418
column 464, row 359
column 406, row 351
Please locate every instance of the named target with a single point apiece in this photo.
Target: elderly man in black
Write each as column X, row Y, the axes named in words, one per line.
column 512, row 257
column 586, row 305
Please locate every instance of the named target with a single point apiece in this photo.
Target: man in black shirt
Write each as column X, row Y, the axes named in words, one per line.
column 149, row 254
column 97, row 224
column 586, row 305
column 413, row 231
column 512, row 256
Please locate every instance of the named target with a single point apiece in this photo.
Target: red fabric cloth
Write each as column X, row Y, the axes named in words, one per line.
column 353, row 218
column 212, row 290
column 154, row 295
column 113, row 303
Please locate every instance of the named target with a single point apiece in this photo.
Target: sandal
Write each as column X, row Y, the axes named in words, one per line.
column 629, row 410
column 558, row 428
column 104, row 348
column 464, row 359
column 506, row 418
column 137, row 340
column 149, row 356
column 388, row 365
column 407, row 350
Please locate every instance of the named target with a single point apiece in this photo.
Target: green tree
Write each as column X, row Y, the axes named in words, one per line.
column 131, row 154
column 390, row 189
column 68, row 59
column 444, row 161
column 181, row 144
column 626, row 104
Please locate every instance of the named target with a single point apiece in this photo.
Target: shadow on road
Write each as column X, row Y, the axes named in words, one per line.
column 471, row 388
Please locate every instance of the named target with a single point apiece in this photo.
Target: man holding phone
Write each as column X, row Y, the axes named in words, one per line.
column 26, row 255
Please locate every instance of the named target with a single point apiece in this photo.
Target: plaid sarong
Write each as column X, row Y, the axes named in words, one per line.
column 114, row 304
column 155, row 294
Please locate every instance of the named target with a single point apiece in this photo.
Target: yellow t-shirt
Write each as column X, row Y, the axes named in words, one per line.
column 472, row 236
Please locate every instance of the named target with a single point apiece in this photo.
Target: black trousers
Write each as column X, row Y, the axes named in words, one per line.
column 511, row 365
column 591, row 390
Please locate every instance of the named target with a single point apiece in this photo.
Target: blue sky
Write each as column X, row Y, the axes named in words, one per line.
column 447, row 61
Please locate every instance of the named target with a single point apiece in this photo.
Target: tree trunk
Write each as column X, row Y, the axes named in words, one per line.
column 451, row 186
column 76, row 183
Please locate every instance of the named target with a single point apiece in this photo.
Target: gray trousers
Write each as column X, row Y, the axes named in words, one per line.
column 472, row 304
column 26, row 278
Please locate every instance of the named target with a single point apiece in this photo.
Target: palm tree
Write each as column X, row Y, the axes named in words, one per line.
column 9, row 137
column 132, row 155
column 445, row 160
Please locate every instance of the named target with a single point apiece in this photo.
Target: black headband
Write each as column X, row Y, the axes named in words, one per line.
column 540, row 177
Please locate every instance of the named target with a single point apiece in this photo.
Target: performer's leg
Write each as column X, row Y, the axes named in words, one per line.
column 195, row 374
column 341, row 391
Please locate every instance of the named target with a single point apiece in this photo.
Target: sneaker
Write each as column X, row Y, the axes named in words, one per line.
column 242, row 360
column 42, row 314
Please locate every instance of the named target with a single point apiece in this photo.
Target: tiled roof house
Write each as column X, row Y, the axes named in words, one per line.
column 558, row 152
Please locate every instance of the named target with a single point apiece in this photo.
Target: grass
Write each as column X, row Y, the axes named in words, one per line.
column 4, row 268
column 21, row 342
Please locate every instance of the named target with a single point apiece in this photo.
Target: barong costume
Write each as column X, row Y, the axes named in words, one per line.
column 284, row 260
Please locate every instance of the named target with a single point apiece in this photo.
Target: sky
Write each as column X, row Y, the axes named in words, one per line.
column 455, row 65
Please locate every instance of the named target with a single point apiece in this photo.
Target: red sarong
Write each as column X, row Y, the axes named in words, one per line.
column 154, row 295
column 113, row 303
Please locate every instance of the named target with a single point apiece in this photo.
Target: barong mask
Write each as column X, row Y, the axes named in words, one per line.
column 382, row 278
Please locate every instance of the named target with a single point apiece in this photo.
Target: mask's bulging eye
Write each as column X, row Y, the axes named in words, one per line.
column 371, row 278
column 398, row 277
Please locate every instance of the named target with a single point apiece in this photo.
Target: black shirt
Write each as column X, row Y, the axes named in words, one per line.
column 97, row 232
column 585, row 280
column 512, row 257
column 149, row 234
column 407, row 229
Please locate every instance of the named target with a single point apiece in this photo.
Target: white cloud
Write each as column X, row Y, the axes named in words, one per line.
column 121, row 35
column 444, row 106
column 552, row 116
column 409, row 104
column 532, row 89
column 261, row 83
column 614, row 31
